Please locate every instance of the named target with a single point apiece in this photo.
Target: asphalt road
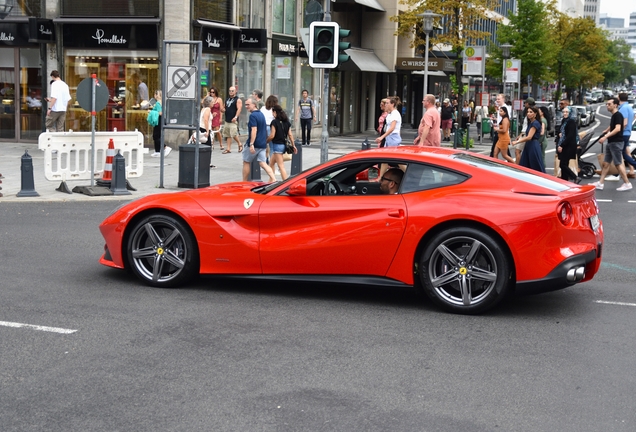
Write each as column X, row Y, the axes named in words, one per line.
column 226, row 355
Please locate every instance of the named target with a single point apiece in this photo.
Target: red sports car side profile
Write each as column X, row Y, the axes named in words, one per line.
column 464, row 228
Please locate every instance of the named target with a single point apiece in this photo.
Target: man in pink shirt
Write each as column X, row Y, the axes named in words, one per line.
column 428, row 133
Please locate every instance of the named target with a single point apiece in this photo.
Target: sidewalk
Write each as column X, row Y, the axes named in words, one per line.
column 228, row 169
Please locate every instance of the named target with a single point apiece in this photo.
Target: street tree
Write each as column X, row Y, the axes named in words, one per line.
column 527, row 32
column 620, row 63
column 459, row 23
column 581, row 52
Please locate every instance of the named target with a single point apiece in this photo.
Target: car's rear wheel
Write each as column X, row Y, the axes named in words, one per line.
column 465, row 270
column 162, row 251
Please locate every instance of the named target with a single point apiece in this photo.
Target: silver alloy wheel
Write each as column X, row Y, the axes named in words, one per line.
column 158, row 250
column 462, row 271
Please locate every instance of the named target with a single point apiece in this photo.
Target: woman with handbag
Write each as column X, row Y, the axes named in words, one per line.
column 154, row 120
column 504, row 136
column 531, row 155
column 566, row 147
column 280, row 134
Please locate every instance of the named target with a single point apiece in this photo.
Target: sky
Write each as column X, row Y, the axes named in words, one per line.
column 618, row 9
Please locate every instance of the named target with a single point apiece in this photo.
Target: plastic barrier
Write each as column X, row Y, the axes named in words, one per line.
column 67, row 155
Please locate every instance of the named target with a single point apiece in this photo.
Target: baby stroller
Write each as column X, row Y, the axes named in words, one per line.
column 587, row 169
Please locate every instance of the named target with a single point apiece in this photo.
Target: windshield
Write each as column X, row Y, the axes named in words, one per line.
column 511, row 171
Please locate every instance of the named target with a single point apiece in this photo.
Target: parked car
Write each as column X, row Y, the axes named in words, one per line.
column 591, row 112
column 598, row 96
column 464, row 228
column 551, row 117
column 581, row 112
column 608, row 94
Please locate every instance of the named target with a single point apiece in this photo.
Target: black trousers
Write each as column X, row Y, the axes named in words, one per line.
column 566, row 173
column 305, row 126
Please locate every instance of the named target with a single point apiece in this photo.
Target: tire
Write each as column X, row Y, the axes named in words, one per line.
column 465, row 271
column 162, row 251
column 587, row 171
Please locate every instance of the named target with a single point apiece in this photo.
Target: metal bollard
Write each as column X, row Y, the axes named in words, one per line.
column 255, row 171
column 118, row 184
column 467, row 141
column 297, row 159
column 28, row 184
column 456, row 136
column 365, row 144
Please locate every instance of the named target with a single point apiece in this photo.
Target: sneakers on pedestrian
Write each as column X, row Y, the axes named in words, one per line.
column 625, row 187
column 598, row 185
column 611, row 178
column 166, row 151
column 155, row 154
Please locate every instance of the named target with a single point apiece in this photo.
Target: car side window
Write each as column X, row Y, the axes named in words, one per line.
column 420, row 177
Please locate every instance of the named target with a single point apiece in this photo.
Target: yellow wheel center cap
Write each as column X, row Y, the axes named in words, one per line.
column 463, row 270
column 159, row 251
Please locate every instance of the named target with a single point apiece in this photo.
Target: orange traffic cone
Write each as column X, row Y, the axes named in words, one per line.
column 107, row 177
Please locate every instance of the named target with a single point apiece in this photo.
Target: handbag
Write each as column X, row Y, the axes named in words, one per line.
column 289, row 148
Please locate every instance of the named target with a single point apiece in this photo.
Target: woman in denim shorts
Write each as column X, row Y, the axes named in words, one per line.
column 280, row 131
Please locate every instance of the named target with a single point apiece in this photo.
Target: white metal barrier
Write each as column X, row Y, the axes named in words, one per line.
column 67, row 155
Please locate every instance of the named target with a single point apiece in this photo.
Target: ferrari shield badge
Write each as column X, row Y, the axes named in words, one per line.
column 248, row 203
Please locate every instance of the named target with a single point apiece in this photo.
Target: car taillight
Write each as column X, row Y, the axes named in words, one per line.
column 565, row 213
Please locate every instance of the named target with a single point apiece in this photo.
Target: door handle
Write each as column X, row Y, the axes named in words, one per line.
column 399, row 213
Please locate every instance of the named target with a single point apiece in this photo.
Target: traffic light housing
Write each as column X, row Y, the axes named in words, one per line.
column 343, row 56
column 323, row 44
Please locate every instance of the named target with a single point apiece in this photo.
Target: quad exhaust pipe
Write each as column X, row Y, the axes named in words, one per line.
column 576, row 274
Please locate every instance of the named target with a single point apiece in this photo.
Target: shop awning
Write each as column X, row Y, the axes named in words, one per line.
column 111, row 20
column 366, row 60
column 373, row 4
column 218, row 25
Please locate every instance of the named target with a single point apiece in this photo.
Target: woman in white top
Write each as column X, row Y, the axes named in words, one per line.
column 393, row 124
column 269, row 116
column 205, row 121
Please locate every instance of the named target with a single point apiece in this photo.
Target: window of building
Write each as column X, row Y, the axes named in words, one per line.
column 217, row 10
column 284, row 16
column 251, row 13
column 283, row 72
column 147, row 8
column 310, row 81
column 248, row 76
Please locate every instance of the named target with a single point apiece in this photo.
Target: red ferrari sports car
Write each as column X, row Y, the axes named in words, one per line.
column 466, row 229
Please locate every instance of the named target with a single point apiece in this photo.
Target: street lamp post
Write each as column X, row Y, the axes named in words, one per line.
column 427, row 26
column 505, row 55
column 5, row 8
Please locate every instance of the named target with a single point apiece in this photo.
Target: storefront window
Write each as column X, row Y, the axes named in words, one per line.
column 284, row 16
column 251, row 13
column 283, row 73
column 7, row 93
column 30, row 93
column 334, row 103
column 214, row 73
column 131, row 77
column 248, row 77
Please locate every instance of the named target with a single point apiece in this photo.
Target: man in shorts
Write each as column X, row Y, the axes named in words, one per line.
column 233, row 106
column 614, row 148
column 256, row 141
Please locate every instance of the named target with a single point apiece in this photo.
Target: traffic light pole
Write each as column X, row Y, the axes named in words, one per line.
column 324, row 137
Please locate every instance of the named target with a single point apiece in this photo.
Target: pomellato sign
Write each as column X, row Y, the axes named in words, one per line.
column 14, row 34
column 41, row 30
column 112, row 39
column 119, row 36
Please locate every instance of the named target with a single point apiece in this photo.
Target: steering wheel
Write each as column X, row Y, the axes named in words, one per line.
column 332, row 188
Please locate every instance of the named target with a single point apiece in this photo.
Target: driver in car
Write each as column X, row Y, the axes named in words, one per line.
column 390, row 181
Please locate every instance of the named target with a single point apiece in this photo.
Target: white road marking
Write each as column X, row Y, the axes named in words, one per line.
column 631, row 201
column 37, row 327
column 587, row 155
column 615, row 303
column 603, row 200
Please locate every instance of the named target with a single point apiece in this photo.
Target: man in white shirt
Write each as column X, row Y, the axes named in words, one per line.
column 60, row 96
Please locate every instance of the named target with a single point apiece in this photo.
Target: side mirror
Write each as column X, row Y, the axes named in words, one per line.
column 373, row 173
column 299, row 188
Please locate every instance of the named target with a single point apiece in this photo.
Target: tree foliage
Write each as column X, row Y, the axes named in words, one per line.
column 620, row 65
column 529, row 34
column 459, row 19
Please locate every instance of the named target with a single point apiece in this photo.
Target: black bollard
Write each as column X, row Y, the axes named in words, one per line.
column 455, row 137
column 467, row 141
column 255, row 171
column 297, row 159
column 118, row 185
column 28, row 185
column 365, row 144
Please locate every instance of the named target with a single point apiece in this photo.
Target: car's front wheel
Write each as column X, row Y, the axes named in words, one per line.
column 162, row 251
column 465, row 270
